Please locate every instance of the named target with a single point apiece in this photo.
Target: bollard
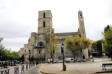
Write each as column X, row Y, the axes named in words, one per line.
column 16, row 70
column 22, row 68
column 27, row 66
column 1, row 72
column 6, row 71
column 64, row 67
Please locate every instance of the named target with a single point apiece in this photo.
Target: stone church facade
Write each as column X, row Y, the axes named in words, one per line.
column 37, row 43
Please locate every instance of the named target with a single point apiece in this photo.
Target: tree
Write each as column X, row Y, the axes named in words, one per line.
column 52, row 44
column 6, row 54
column 108, row 40
column 22, row 58
column 1, row 39
column 76, row 44
column 97, row 45
column 2, row 51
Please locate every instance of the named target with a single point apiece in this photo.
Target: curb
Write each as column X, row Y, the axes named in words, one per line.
column 45, row 72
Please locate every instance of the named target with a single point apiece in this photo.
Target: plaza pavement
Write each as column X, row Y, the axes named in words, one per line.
column 75, row 68
column 34, row 70
column 72, row 68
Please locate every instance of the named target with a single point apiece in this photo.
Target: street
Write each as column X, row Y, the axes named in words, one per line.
column 34, row 70
column 75, row 68
column 88, row 67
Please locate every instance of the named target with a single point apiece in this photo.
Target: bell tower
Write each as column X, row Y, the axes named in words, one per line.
column 81, row 23
column 44, row 27
column 44, row 21
column 44, row 31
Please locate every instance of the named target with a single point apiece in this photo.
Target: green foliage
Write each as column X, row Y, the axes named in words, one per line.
column 97, row 46
column 108, row 40
column 52, row 44
column 76, row 43
column 22, row 58
column 1, row 39
column 69, row 43
column 7, row 54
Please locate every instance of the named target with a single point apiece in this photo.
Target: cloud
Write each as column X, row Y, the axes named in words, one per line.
column 14, row 43
column 18, row 18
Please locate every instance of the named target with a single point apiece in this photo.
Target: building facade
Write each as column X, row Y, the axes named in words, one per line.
column 37, row 43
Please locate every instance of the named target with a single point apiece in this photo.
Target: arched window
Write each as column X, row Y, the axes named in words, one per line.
column 43, row 24
column 44, row 15
column 40, row 44
column 80, row 16
column 29, row 51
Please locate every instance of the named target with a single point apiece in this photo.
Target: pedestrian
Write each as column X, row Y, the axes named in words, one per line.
column 48, row 60
column 91, row 57
column 83, row 57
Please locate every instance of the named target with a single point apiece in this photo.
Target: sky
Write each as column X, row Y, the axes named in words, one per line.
column 18, row 18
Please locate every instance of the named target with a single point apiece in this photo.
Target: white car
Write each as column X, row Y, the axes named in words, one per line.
column 60, row 61
column 69, row 60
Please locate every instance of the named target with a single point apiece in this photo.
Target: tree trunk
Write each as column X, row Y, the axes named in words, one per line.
column 74, row 55
column 74, row 58
column 52, row 57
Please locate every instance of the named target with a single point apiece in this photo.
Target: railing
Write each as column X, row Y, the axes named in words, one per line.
column 26, row 66
column 22, row 68
column 17, row 69
column 4, row 71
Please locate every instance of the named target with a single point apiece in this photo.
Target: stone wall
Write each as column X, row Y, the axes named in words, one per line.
column 37, row 43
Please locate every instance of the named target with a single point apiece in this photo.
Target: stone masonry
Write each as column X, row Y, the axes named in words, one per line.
column 37, row 43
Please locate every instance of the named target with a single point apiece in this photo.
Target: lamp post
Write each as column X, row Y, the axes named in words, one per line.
column 62, row 51
column 29, row 56
column 40, row 55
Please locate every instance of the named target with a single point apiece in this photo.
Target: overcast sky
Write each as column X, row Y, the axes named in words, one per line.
column 18, row 18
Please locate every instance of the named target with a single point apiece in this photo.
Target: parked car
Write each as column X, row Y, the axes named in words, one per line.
column 56, row 61
column 60, row 61
column 2, row 63
column 68, row 60
column 81, row 60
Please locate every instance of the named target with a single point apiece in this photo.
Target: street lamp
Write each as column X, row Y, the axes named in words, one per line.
column 62, row 51
column 29, row 56
column 40, row 55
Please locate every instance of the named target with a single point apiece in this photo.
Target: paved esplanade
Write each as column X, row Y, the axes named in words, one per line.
column 72, row 68
column 34, row 70
column 75, row 68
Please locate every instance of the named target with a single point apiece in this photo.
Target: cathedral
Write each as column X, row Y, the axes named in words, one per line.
column 37, row 43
